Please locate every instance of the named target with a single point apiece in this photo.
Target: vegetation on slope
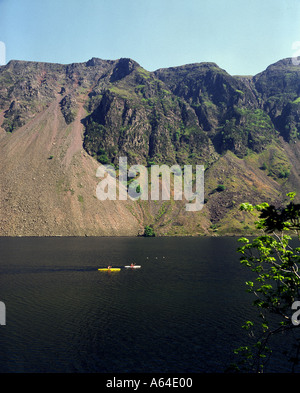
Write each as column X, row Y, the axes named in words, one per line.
column 244, row 130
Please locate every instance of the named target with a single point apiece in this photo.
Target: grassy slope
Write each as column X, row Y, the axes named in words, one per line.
column 48, row 181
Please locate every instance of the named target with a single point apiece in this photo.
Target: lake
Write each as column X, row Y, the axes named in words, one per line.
column 182, row 311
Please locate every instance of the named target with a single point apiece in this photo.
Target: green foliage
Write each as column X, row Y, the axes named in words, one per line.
column 214, row 227
column 95, row 129
column 278, row 164
column 12, row 123
column 144, row 73
column 248, row 129
column 220, row 188
column 93, row 142
column 149, row 231
column 162, row 210
column 150, row 162
column 69, row 116
column 284, row 173
column 103, row 159
column 67, row 107
column 93, row 102
column 274, row 263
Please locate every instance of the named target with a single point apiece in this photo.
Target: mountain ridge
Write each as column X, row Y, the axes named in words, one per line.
column 61, row 121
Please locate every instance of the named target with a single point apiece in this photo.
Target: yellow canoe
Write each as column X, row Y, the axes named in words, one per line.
column 112, row 269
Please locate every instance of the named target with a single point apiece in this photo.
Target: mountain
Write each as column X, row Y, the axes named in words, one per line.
column 59, row 122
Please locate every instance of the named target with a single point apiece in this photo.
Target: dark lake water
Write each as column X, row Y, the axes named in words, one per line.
column 181, row 312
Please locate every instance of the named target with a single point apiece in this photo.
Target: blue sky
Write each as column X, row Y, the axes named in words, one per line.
column 242, row 37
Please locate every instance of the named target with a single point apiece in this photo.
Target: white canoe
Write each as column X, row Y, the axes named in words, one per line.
column 133, row 267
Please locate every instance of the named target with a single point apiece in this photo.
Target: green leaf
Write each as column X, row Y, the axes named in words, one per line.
column 243, row 240
column 248, row 325
column 246, row 206
column 291, row 195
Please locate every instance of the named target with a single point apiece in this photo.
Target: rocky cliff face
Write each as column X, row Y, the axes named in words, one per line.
column 58, row 122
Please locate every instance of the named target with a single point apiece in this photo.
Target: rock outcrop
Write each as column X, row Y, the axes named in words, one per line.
column 59, row 122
